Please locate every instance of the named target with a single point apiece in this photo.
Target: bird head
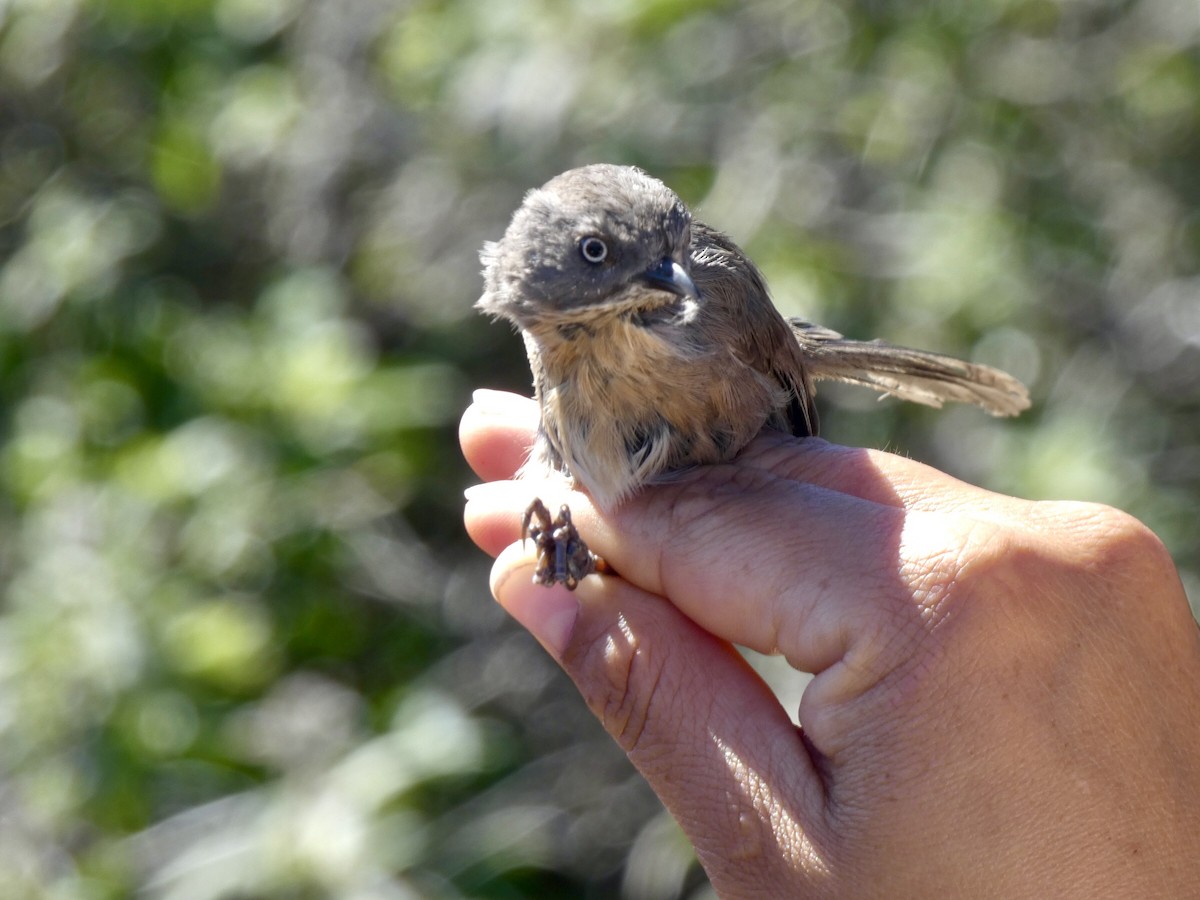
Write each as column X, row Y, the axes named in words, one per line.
column 598, row 239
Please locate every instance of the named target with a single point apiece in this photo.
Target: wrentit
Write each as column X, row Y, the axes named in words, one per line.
column 654, row 346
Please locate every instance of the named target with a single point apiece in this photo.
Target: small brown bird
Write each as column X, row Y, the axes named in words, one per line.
column 655, row 346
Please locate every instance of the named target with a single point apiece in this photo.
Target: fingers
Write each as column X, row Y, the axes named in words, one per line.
column 496, row 431
column 700, row 725
column 804, row 548
column 493, row 512
column 870, row 474
column 764, row 562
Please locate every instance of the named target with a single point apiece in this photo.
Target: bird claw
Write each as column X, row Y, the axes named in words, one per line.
column 562, row 555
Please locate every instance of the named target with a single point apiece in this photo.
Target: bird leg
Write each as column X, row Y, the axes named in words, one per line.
column 562, row 556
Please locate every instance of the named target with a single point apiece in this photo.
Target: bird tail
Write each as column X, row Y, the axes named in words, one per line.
column 913, row 375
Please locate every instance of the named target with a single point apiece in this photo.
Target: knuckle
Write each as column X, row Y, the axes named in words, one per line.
column 1068, row 541
column 943, row 561
column 1076, row 564
column 1115, row 548
column 620, row 675
column 737, row 515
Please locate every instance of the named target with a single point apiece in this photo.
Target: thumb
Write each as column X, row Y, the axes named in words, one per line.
column 694, row 718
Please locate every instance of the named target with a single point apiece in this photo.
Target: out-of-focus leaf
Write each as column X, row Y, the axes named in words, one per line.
column 245, row 647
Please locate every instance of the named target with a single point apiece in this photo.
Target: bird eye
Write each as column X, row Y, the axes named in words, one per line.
column 593, row 249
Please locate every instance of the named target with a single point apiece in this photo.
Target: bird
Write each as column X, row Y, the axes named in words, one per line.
column 655, row 346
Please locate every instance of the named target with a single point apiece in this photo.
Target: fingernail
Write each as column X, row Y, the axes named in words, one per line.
column 476, row 491
column 548, row 613
column 499, row 403
column 494, row 494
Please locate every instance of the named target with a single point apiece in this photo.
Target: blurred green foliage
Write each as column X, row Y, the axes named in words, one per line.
column 245, row 649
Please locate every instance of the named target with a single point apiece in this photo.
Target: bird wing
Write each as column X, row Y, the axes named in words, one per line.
column 740, row 305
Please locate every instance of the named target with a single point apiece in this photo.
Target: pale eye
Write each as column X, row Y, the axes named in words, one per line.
column 593, row 249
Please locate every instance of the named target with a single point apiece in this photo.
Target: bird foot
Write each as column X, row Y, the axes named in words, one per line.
column 562, row 556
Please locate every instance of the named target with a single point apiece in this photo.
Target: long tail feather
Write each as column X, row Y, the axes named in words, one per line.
column 914, row 375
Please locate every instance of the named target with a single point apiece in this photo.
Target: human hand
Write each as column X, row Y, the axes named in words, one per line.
column 1006, row 698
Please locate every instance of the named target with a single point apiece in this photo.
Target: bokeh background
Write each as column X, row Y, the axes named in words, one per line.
column 245, row 648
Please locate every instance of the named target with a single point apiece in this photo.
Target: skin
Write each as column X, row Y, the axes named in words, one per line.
column 1007, row 693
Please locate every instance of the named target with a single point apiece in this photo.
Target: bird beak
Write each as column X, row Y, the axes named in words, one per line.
column 669, row 275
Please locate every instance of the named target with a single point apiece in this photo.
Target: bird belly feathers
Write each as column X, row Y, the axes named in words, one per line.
column 622, row 405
